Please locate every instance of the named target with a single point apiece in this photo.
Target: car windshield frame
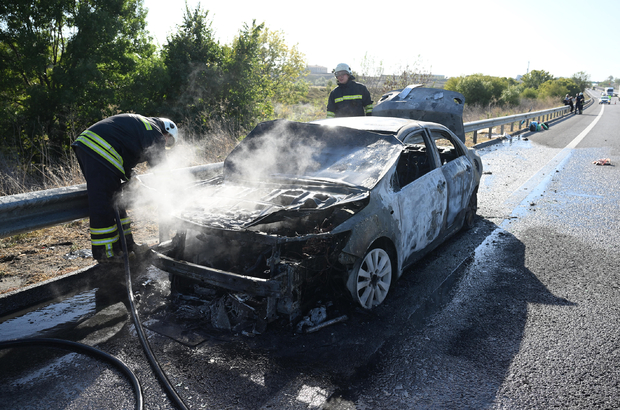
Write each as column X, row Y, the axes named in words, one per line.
column 280, row 149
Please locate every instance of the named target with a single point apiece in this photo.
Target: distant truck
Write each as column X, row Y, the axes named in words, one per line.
column 609, row 91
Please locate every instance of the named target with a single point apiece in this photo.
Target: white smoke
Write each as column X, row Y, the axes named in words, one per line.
column 159, row 194
column 271, row 154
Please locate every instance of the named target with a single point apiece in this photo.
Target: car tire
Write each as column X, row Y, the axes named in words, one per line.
column 472, row 209
column 370, row 279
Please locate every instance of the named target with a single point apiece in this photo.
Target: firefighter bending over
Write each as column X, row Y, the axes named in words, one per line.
column 350, row 98
column 107, row 153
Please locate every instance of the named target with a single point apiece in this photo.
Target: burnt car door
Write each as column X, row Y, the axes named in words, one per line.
column 420, row 191
column 456, row 168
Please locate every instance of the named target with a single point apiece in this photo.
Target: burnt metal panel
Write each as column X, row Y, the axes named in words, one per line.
column 273, row 287
column 424, row 104
column 246, row 235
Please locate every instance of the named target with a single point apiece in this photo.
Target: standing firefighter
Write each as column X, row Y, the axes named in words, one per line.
column 107, row 152
column 349, row 99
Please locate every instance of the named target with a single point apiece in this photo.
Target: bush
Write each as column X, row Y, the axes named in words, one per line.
column 511, row 95
column 529, row 93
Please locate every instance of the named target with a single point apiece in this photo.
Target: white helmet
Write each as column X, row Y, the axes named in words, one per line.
column 342, row 67
column 171, row 128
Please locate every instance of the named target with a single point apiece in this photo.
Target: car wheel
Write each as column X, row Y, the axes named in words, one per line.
column 472, row 208
column 369, row 280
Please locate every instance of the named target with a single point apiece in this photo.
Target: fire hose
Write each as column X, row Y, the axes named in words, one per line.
column 99, row 354
column 172, row 394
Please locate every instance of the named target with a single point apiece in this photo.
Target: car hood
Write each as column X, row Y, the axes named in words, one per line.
column 293, row 178
column 229, row 206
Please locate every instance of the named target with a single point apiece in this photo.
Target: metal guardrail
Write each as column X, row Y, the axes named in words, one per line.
column 542, row 116
column 40, row 209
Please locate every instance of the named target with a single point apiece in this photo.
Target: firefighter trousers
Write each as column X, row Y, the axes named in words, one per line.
column 103, row 188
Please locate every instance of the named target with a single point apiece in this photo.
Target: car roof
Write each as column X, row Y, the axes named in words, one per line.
column 381, row 125
column 399, row 127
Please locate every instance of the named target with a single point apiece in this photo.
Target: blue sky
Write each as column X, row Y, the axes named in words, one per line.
column 499, row 38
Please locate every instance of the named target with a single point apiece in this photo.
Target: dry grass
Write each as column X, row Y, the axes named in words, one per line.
column 17, row 178
column 41, row 255
column 48, row 253
column 476, row 112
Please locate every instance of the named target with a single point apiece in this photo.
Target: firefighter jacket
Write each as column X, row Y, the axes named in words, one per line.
column 351, row 99
column 122, row 141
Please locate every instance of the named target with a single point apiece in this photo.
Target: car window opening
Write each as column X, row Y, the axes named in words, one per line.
column 413, row 164
column 448, row 150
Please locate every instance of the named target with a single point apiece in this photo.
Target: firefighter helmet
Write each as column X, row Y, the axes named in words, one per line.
column 171, row 128
column 342, row 67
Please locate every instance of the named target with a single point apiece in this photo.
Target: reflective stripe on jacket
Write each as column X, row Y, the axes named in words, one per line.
column 101, row 147
column 349, row 100
column 122, row 141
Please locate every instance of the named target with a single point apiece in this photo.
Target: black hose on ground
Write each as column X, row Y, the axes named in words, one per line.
column 82, row 348
column 172, row 394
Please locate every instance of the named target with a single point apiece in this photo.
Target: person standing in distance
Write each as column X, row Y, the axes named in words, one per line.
column 107, row 153
column 349, row 98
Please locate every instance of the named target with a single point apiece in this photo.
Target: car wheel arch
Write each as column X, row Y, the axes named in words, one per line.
column 471, row 210
column 360, row 284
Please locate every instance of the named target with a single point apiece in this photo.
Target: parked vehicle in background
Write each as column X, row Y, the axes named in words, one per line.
column 609, row 91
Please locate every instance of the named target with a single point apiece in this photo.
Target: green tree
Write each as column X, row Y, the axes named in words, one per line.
column 284, row 66
column 478, row 88
column 260, row 70
column 145, row 89
column 244, row 81
column 193, row 60
column 63, row 62
column 558, row 88
column 582, row 80
column 535, row 78
column 529, row 93
column 511, row 95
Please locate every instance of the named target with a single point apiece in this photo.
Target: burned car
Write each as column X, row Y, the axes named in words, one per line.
column 348, row 202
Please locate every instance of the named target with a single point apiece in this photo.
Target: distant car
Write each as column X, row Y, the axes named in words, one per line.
column 604, row 99
column 347, row 202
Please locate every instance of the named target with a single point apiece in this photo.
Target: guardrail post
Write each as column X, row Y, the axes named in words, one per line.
column 512, row 126
column 490, row 132
column 475, row 137
column 502, row 130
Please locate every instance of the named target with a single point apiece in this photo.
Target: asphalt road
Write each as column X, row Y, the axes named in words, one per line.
column 520, row 312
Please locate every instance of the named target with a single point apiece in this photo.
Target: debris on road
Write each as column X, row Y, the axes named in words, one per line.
column 82, row 253
column 327, row 323
column 602, row 161
column 314, row 318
